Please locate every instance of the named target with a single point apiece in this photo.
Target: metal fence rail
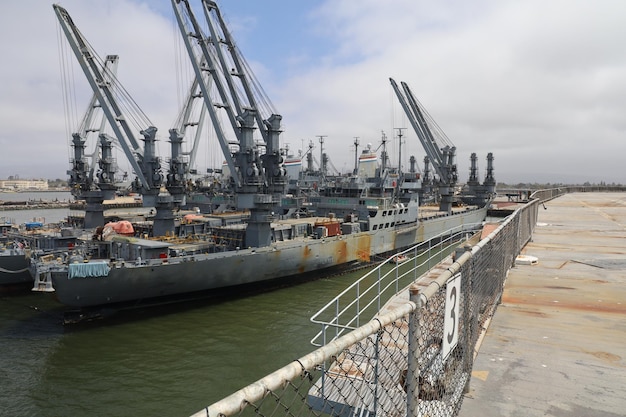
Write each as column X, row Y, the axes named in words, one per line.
column 365, row 297
column 413, row 358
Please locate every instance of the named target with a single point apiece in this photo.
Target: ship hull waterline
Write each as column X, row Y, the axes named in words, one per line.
column 191, row 274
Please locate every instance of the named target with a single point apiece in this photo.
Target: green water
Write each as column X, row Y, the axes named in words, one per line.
column 153, row 362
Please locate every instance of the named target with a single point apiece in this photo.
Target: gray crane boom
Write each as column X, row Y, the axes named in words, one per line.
column 224, row 37
column 416, row 119
column 442, row 158
column 184, row 121
column 110, row 65
column 81, row 174
column 190, row 29
column 239, row 77
column 419, row 117
column 260, row 178
column 101, row 88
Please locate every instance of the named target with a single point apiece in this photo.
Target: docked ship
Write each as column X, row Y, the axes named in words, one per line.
column 19, row 241
column 13, row 261
column 209, row 252
column 279, row 226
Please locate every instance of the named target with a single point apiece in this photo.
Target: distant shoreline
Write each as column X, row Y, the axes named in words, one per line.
column 49, row 190
column 30, row 205
column 35, row 200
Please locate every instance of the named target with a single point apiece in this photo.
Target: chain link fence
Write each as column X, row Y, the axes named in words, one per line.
column 414, row 358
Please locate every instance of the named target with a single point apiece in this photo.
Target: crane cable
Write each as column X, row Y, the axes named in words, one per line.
column 67, row 89
column 437, row 131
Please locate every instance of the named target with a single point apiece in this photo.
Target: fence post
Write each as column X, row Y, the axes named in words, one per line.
column 413, row 371
column 471, row 323
column 376, row 369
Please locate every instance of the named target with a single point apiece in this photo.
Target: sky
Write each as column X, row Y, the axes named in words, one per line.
column 539, row 83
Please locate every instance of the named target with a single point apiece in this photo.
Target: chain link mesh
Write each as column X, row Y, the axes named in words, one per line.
column 399, row 368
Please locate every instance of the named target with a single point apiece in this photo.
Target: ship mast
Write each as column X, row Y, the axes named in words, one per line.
column 356, row 155
column 399, row 181
column 323, row 159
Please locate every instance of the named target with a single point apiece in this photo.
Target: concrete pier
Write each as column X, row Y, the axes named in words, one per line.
column 557, row 343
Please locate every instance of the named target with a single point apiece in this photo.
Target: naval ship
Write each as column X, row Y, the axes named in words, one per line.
column 13, row 263
column 19, row 241
column 281, row 226
column 208, row 251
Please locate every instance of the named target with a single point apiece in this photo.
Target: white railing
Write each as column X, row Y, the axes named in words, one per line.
column 364, row 298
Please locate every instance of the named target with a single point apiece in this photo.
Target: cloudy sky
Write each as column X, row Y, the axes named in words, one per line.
column 540, row 83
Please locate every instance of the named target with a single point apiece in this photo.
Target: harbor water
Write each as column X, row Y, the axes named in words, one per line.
column 158, row 361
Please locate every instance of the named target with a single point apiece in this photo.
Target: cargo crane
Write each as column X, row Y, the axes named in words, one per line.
column 81, row 176
column 441, row 157
column 181, row 164
column 146, row 165
column 258, row 178
column 441, row 154
column 190, row 124
column 110, row 66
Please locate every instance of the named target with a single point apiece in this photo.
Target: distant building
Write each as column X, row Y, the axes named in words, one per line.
column 21, row 185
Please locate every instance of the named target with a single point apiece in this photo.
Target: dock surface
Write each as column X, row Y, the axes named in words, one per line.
column 557, row 343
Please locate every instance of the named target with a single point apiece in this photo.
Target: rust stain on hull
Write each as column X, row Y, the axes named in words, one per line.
column 342, row 252
column 364, row 245
column 306, row 254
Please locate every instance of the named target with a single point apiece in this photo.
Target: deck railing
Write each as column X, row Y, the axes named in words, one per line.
column 364, row 298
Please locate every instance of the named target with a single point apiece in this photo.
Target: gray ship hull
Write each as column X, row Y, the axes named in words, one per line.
column 14, row 270
column 192, row 273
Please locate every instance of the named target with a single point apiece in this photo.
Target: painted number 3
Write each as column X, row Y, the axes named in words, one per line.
column 451, row 319
column 452, row 299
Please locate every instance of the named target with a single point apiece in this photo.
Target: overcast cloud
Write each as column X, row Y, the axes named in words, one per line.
column 541, row 84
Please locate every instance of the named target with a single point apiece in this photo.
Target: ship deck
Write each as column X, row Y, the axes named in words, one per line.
column 428, row 211
column 556, row 345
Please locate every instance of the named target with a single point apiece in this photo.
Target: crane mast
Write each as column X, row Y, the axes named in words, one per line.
column 180, row 162
column 81, row 175
column 258, row 178
column 82, row 183
column 185, row 120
